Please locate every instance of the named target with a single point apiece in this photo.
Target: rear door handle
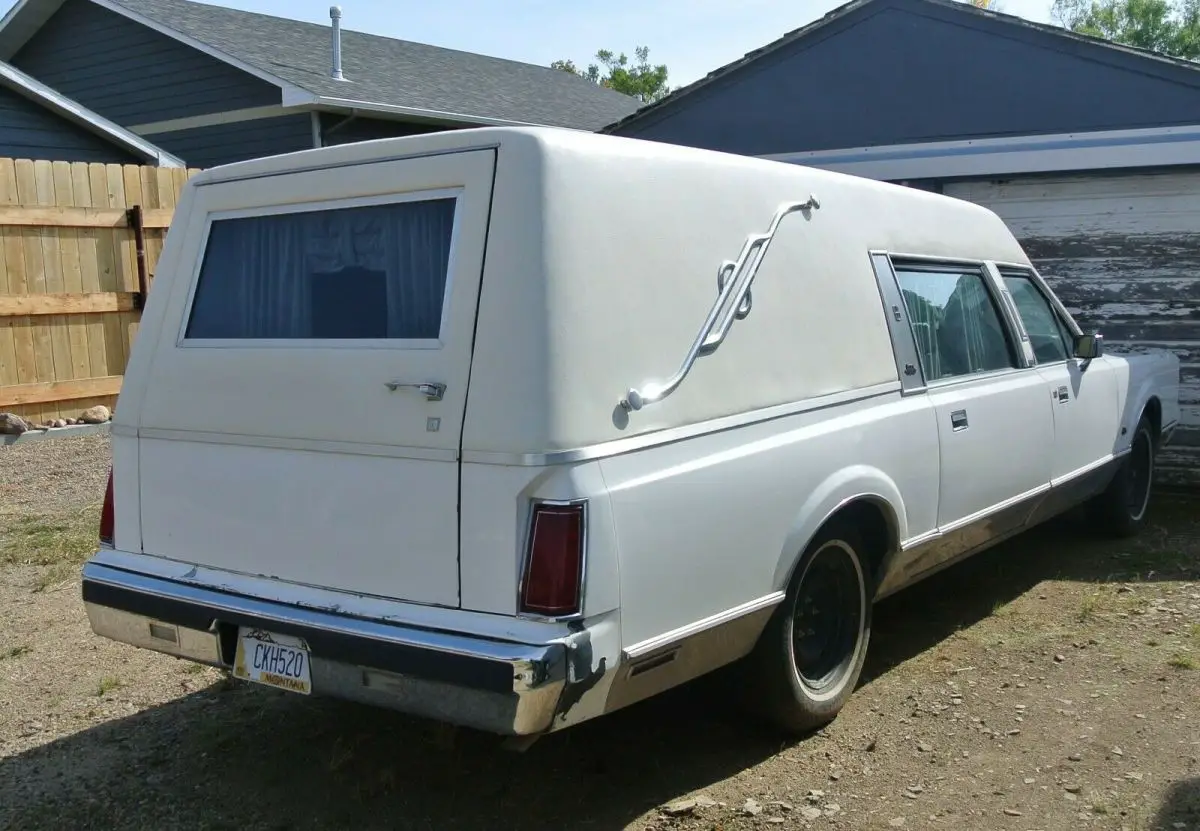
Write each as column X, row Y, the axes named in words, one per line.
column 432, row 391
column 958, row 419
column 1064, row 394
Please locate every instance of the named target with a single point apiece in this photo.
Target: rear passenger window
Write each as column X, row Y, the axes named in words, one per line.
column 955, row 320
column 1047, row 334
column 357, row 273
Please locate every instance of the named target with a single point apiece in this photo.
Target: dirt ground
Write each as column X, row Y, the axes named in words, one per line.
column 1051, row 683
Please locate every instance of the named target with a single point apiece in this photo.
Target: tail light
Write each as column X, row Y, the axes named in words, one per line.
column 107, row 514
column 552, row 583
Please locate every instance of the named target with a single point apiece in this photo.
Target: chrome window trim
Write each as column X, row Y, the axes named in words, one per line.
column 455, row 192
column 600, row 450
column 1012, row 318
column 1056, row 305
column 977, row 377
column 670, row 435
column 904, row 343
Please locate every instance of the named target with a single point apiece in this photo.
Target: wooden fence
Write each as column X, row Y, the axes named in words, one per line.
column 78, row 247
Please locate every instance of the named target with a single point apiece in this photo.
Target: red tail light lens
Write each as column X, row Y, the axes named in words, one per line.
column 107, row 514
column 551, row 585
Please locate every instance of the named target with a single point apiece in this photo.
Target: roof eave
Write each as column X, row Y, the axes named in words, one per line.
column 307, row 100
column 17, row 81
column 22, row 21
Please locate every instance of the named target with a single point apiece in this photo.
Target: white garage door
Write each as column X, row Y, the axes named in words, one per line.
column 1123, row 252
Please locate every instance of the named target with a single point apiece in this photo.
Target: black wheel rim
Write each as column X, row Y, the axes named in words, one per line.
column 1141, row 472
column 827, row 618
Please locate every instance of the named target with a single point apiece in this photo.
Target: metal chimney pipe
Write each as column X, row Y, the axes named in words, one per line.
column 335, row 14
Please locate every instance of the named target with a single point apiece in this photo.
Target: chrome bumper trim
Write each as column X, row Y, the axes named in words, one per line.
column 506, row 688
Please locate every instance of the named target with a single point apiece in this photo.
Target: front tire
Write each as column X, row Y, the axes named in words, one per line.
column 1124, row 506
column 811, row 653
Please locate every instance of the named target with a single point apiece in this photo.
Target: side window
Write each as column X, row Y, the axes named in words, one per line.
column 354, row 273
column 956, row 321
column 1048, row 335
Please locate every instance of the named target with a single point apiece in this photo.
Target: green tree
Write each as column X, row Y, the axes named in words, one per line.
column 642, row 80
column 1170, row 27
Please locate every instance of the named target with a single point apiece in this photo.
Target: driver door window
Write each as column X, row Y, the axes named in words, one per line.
column 1051, row 340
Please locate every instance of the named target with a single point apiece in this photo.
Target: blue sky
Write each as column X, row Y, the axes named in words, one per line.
column 691, row 37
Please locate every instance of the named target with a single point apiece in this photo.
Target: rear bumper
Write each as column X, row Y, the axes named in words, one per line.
column 497, row 686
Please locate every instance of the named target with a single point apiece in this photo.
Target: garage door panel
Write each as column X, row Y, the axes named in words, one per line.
column 1123, row 253
column 1131, row 330
column 1062, row 207
column 1189, row 395
column 1174, row 251
column 1176, row 464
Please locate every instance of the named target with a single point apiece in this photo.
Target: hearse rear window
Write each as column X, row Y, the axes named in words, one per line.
column 357, row 273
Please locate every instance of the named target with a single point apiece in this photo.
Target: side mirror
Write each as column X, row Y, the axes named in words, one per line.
column 1089, row 346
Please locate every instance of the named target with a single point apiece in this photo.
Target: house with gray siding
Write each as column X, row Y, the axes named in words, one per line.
column 37, row 122
column 1089, row 150
column 216, row 85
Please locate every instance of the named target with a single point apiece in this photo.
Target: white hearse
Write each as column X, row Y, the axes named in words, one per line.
column 513, row 427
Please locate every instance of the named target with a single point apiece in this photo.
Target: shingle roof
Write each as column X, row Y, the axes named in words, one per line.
column 390, row 72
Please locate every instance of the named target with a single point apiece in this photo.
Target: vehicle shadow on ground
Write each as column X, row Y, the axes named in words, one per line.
column 1066, row 548
column 1181, row 808
column 236, row 757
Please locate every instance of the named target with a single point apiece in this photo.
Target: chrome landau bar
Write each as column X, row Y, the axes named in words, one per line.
column 734, row 301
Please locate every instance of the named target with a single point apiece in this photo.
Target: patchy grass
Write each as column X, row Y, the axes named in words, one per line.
column 50, row 540
column 1088, row 608
column 56, row 575
column 1182, row 662
column 14, row 652
column 108, row 684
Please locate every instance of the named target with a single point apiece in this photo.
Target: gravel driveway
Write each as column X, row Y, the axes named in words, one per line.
column 1051, row 683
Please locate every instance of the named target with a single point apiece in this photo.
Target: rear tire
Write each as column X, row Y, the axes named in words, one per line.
column 1121, row 510
column 808, row 660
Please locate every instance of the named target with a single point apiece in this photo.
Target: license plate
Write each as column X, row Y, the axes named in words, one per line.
column 279, row 661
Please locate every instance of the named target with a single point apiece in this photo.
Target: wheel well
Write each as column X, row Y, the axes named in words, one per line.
column 1153, row 411
column 873, row 522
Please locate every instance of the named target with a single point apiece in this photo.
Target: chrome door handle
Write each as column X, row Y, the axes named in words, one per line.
column 1063, row 394
column 432, row 391
column 958, row 420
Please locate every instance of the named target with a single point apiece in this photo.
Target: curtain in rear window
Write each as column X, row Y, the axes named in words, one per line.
column 371, row 272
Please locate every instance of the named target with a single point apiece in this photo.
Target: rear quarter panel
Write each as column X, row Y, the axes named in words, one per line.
column 717, row 521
